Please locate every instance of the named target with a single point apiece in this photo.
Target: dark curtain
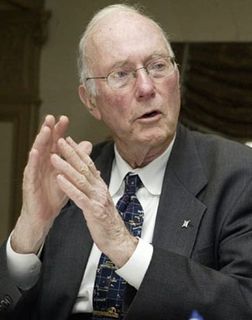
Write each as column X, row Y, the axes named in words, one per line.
column 216, row 84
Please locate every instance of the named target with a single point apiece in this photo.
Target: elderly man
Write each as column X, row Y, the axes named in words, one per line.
column 151, row 225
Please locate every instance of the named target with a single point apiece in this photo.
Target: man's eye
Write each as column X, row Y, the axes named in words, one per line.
column 121, row 74
column 158, row 66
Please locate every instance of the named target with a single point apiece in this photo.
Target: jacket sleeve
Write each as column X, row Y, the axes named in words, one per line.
column 9, row 293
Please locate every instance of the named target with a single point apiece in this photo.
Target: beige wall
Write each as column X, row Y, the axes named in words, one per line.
column 184, row 20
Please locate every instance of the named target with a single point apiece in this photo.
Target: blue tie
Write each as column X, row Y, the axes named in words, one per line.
column 109, row 287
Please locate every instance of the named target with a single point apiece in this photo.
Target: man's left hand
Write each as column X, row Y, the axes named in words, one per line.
column 81, row 182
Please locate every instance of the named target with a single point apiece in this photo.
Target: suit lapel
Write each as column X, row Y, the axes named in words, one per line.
column 180, row 212
column 104, row 161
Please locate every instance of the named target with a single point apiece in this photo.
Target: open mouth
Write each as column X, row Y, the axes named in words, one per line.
column 150, row 115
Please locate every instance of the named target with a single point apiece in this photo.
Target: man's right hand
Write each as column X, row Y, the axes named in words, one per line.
column 42, row 197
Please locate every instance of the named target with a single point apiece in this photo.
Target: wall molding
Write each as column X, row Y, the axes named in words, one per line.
column 23, row 31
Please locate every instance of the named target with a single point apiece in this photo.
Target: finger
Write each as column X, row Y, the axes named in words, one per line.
column 85, row 166
column 79, row 180
column 70, row 154
column 72, row 192
column 49, row 121
column 82, row 147
column 83, row 150
column 58, row 131
column 61, row 127
column 43, row 140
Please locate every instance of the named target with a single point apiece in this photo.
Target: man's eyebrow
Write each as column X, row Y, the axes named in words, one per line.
column 119, row 64
column 155, row 54
column 158, row 54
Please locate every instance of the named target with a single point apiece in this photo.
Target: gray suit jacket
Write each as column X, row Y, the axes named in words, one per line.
column 206, row 266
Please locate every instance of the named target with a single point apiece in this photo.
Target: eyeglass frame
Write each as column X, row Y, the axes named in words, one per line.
column 133, row 72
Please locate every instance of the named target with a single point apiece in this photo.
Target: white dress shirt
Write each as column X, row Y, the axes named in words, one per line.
column 25, row 268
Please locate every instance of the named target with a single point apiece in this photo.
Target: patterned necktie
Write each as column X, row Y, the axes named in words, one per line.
column 109, row 287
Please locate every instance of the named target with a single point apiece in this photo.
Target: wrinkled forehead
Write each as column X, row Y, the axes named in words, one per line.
column 124, row 36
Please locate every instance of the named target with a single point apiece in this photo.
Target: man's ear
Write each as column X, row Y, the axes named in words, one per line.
column 89, row 101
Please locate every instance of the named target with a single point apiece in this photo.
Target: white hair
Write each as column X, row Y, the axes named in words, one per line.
column 83, row 63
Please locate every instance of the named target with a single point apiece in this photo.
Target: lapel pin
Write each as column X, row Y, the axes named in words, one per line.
column 185, row 223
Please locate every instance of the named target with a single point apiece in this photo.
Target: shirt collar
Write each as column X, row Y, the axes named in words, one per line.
column 151, row 175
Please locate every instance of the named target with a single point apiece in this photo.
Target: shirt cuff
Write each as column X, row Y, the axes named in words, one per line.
column 135, row 268
column 23, row 268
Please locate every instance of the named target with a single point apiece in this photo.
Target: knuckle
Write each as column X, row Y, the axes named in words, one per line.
column 84, row 170
column 91, row 165
column 81, row 182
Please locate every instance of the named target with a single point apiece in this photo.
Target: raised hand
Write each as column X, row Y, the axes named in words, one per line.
column 42, row 197
column 81, row 181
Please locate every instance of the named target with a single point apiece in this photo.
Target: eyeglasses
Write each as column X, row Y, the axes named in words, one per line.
column 158, row 68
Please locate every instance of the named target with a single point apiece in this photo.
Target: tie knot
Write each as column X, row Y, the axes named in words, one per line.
column 132, row 183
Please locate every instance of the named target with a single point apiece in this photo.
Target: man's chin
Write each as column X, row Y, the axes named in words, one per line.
column 154, row 140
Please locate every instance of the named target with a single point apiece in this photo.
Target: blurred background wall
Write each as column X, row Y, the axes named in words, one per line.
column 48, row 81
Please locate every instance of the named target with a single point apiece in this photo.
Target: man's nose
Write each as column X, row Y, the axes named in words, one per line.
column 144, row 84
